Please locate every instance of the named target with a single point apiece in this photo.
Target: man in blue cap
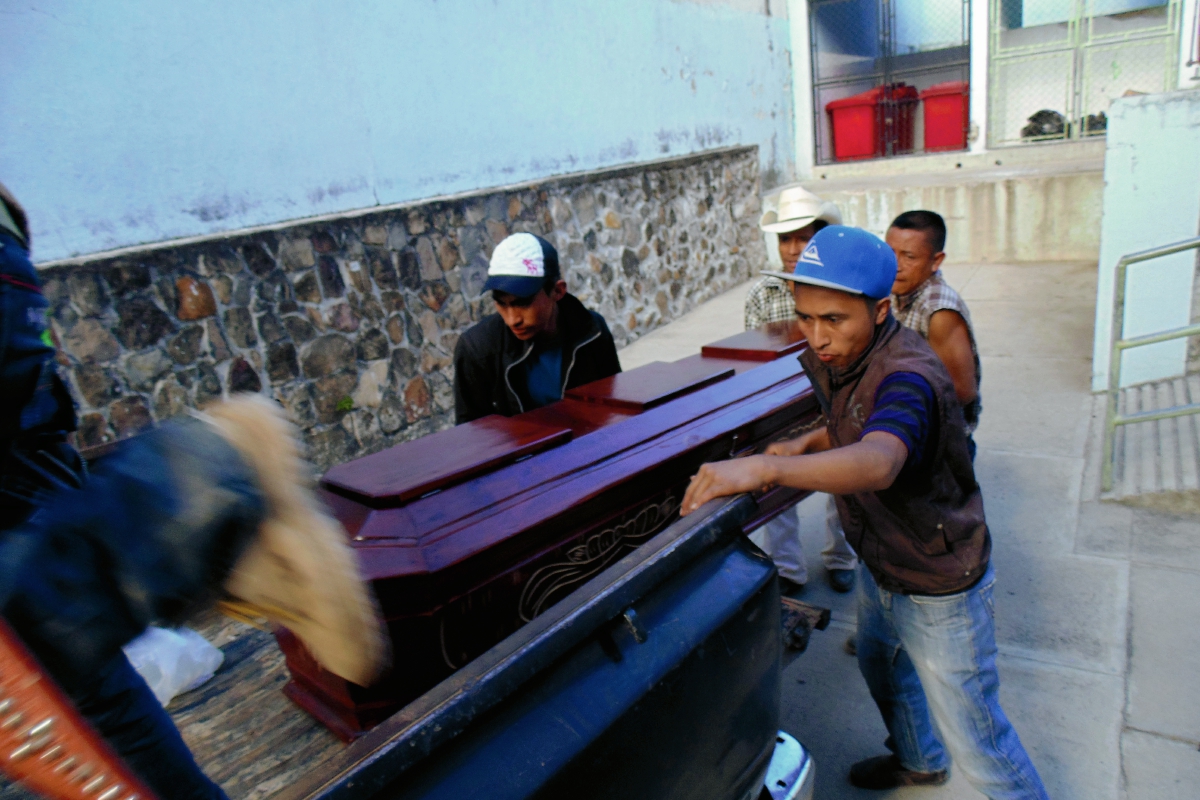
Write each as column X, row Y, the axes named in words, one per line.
column 540, row 342
column 894, row 451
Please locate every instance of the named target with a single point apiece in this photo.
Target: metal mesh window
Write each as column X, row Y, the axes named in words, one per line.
column 900, row 49
column 1056, row 65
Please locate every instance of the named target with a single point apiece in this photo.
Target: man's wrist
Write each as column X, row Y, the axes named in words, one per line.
column 768, row 472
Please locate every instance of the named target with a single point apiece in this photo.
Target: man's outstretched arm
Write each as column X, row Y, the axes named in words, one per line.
column 869, row 465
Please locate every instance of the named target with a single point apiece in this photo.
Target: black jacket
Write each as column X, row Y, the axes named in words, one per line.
column 485, row 381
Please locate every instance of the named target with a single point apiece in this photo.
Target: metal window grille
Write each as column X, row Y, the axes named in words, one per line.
column 1056, row 65
column 859, row 45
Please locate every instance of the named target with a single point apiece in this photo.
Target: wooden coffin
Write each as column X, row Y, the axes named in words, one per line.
column 469, row 533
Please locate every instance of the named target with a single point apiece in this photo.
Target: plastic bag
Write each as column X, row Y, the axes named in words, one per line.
column 173, row 661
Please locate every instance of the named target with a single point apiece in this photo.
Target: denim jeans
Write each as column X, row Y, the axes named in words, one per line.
column 119, row 704
column 930, row 663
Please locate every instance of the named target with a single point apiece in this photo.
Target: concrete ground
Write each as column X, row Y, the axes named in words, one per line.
column 1096, row 603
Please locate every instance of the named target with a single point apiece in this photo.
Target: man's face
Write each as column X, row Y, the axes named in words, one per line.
column 527, row 317
column 915, row 258
column 792, row 244
column 839, row 326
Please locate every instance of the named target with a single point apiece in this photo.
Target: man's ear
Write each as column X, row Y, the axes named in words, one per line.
column 882, row 307
column 558, row 291
column 938, row 258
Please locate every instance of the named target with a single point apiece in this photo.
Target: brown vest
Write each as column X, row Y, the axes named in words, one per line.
column 926, row 533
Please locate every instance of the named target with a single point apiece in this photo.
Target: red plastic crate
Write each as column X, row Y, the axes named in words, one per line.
column 947, row 115
column 863, row 124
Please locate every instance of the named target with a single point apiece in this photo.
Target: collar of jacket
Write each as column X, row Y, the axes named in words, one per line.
column 827, row 380
column 575, row 324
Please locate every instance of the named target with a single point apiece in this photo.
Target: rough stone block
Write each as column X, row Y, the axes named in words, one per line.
column 218, row 347
column 97, row 384
column 94, row 430
column 430, row 268
column 372, row 345
column 194, row 299
column 342, row 317
column 185, row 347
column 418, row 399
column 257, row 259
column 281, row 362
column 170, row 400
column 270, row 329
column 306, row 288
column 141, row 322
column 89, row 341
column 368, row 393
column 130, row 415
column 143, row 369
column 86, row 293
column 207, row 388
column 331, row 393
column 296, row 254
column 327, row 355
column 240, row 327
column 332, row 284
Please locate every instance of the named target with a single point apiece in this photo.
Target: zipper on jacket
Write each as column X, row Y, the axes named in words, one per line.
column 563, row 389
column 525, row 355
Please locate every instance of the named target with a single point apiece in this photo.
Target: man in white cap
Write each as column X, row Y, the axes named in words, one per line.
column 799, row 215
column 541, row 342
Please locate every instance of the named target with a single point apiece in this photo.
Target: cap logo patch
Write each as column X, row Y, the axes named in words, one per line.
column 531, row 266
column 811, row 256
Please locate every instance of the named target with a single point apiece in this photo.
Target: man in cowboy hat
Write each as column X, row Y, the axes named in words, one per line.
column 798, row 217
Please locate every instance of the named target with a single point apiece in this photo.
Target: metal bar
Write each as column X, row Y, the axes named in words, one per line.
column 1151, row 416
column 1155, row 252
column 1119, row 344
column 1155, row 338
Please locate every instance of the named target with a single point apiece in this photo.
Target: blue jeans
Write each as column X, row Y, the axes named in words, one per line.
column 932, row 660
column 119, row 704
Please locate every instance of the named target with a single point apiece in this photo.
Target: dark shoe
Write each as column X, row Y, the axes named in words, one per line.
column 842, row 580
column 885, row 772
column 789, row 587
column 851, row 645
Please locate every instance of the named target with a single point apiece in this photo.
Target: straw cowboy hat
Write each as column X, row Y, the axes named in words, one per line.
column 797, row 207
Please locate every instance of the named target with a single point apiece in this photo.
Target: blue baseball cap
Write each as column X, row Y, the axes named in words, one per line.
column 847, row 259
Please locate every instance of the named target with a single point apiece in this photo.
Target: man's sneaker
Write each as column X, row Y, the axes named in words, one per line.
column 299, row 571
column 842, row 580
column 885, row 772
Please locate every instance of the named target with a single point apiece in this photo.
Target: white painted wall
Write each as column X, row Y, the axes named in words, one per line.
column 1151, row 198
column 802, row 91
column 978, row 102
column 134, row 121
column 1189, row 74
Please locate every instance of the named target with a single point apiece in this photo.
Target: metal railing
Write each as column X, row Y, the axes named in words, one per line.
column 1119, row 345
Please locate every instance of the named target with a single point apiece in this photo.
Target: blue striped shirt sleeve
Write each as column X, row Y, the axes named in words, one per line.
column 904, row 407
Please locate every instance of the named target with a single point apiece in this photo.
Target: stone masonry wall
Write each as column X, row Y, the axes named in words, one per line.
column 350, row 322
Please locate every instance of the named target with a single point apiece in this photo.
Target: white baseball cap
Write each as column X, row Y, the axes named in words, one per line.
column 522, row 265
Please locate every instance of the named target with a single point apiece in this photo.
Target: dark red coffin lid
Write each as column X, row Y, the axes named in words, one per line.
column 650, row 384
column 771, row 341
column 411, row 470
